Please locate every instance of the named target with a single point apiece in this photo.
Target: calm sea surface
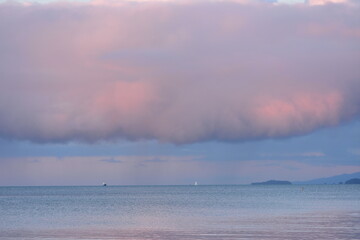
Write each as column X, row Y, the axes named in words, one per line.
column 181, row 212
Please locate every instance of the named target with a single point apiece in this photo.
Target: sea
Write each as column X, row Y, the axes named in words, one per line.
column 181, row 212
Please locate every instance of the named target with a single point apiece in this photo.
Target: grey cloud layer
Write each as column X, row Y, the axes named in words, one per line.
column 177, row 72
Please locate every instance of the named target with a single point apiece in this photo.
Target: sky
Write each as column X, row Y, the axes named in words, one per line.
column 173, row 92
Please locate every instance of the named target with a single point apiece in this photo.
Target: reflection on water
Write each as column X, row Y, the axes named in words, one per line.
column 181, row 212
column 309, row 226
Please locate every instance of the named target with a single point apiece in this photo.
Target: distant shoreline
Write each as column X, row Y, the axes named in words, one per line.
column 272, row 182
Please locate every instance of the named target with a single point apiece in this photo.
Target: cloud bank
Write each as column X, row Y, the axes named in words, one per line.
column 180, row 73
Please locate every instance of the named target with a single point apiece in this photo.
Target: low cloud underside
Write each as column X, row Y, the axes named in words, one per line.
column 177, row 73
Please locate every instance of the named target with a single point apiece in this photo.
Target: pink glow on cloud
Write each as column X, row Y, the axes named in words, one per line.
column 159, row 71
column 130, row 98
column 300, row 111
column 322, row 2
column 334, row 30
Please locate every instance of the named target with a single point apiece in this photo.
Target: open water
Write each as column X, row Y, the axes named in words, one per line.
column 181, row 212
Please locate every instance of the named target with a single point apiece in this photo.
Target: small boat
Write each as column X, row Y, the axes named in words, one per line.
column 104, row 184
column 195, row 184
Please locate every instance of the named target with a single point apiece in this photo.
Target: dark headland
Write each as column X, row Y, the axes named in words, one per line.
column 353, row 181
column 272, row 182
column 337, row 179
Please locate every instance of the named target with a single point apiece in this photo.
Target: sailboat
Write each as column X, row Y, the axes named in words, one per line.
column 195, row 184
column 104, row 184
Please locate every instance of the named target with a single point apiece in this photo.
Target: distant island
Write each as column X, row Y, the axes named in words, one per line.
column 272, row 182
column 353, row 181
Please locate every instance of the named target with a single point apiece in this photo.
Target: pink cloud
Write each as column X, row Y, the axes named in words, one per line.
column 304, row 111
column 322, row 2
column 176, row 73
